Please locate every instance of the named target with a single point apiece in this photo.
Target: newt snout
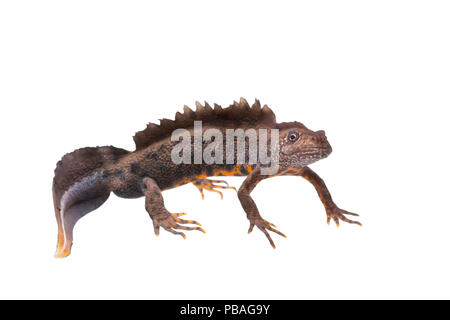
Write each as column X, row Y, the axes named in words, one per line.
column 320, row 139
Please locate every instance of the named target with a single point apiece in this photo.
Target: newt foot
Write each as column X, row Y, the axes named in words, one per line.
column 171, row 223
column 211, row 185
column 264, row 225
column 338, row 214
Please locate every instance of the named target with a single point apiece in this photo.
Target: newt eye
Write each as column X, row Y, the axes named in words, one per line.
column 293, row 136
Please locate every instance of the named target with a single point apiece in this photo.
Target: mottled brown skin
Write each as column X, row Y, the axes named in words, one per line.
column 85, row 178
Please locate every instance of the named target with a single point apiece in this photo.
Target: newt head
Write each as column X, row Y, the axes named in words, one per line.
column 300, row 146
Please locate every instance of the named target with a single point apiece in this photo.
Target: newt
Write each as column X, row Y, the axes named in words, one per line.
column 85, row 178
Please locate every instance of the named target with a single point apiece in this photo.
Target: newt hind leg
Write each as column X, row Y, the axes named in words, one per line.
column 211, row 185
column 154, row 204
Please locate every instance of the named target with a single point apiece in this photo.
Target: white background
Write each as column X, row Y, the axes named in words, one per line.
column 374, row 74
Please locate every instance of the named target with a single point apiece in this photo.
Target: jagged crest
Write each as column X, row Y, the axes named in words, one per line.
column 237, row 112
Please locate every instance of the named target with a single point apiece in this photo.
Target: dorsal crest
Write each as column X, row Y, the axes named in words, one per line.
column 238, row 112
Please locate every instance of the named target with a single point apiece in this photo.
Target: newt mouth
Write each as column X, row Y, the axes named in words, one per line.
column 321, row 150
column 318, row 153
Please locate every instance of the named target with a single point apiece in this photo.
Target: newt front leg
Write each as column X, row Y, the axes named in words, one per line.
column 250, row 207
column 333, row 211
column 154, row 204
